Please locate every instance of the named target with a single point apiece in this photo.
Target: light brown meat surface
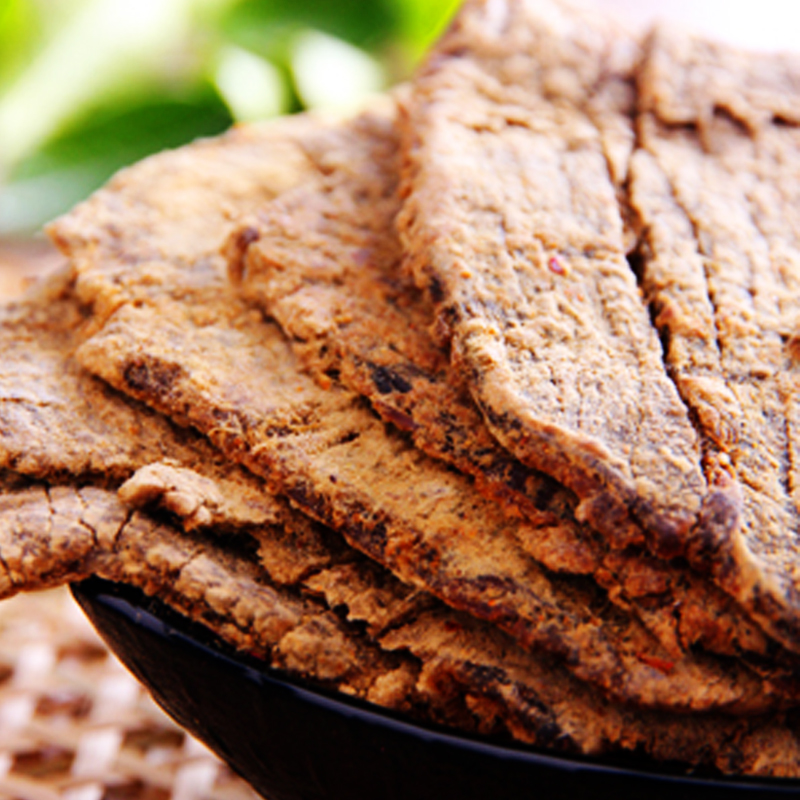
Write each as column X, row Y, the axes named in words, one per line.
column 326, row 452
column 50, row 534
column 57, row 420
column 323, row 260
column 64, row 533
column 164, row 328
column 169, row 341
column 56, row 532
column 516, row 141
column 524, row 255
column 715, row 187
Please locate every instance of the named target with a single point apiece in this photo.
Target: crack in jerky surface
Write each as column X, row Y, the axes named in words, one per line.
column 324, row 261
column 713, row 184
column 511, row 222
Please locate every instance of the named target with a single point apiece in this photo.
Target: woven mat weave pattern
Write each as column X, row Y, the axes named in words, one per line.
column 75, row 725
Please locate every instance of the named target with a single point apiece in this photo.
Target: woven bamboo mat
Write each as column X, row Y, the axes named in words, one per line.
column 75, row 725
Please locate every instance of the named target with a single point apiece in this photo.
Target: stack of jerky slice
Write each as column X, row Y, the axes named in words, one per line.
column 381, row 400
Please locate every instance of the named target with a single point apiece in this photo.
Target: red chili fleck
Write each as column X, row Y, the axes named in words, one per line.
column 660, row 664
column 556, row 266
column 361, row 256
column 452, row 626
column 403, row 421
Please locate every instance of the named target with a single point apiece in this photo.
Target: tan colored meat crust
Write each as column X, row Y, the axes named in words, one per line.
column 208, row 583
column 170, row 345
column 335, row 461
column 715, row 186
column 401, row 583
column 57, row 420
column 512, row 226
column 324, row 261
column 52, row 534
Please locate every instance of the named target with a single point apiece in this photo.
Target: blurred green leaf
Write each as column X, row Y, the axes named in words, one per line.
column 19, row 28
column 252, row 87
column 84, row 157
column 421, row 22
column 75, row 77
column 260, row 25
column 332, row 74
column 105, row 47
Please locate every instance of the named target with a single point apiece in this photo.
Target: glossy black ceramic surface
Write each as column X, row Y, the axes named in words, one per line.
column 293, row 743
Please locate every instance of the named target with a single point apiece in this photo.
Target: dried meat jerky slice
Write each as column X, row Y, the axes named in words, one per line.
column 53, row 534
column 714, row 187
column 686, row 76
column 536, row 698
column 289, row 551
column 57, row 420
column 369, row 594
column 197, row 500
column 43, row 538
column 324, row 261
column 569, row 717
column 184, row 202
column 532, row 698
column 174, row 323
column 336, row 461
column 512, row 225
column 47, row 539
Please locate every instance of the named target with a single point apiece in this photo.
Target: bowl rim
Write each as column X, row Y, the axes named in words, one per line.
column 137, row 608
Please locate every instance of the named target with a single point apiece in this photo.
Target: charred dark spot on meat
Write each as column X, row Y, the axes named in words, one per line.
column 151, row 377
column 545, row 492
column 305, row 498
column 403, row 421
column 235, row 251
column 388, row 380
column 719, row 519
column 517, row 475
column 435, row 289
column 348, row 437
column 370, row 537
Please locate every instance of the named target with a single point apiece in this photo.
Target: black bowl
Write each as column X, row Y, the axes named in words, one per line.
column 295, row 743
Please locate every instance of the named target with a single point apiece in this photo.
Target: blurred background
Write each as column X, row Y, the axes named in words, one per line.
column 87, row 86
